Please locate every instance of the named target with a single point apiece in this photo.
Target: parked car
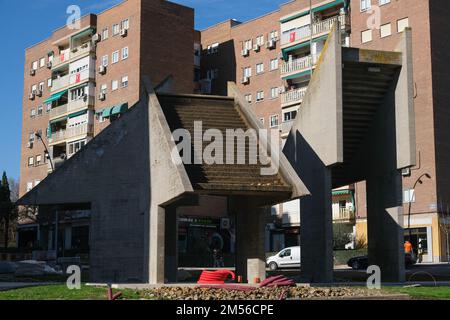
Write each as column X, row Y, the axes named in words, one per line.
column 286, row 258
column 362, row 263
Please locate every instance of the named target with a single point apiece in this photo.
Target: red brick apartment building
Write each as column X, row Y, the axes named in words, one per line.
column 271, row 58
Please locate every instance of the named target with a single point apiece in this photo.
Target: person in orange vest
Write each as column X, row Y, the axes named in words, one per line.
column 408, row 247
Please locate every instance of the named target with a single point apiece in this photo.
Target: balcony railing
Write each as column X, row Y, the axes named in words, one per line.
column 298, row 65
column 60, row 83
column 68, row 55
column 293, row 96
column 344, row 215
column 71, row 107
column 63, row 135
column 318, row 29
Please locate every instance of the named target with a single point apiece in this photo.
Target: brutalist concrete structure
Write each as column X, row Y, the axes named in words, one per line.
column 356, row 123
column 133, row 183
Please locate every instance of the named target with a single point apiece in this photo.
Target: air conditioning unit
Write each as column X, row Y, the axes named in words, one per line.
column 102, row 96
column 406, row 172
column 281, row 90
column 31, row 96
column 124, row 32
column 38, row 93
column 256, row 47
column 32, row 72
column 96, row 38
column 271, row 44
column 30, row 144
column 102, row 69
column 245, row 80
column 49, row 65
column 244, row 52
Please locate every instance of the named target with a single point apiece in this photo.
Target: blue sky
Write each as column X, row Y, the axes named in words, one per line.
column 31, row 21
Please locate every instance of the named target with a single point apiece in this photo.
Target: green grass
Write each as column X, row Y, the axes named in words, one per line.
column 61, row 292
column 422, row 292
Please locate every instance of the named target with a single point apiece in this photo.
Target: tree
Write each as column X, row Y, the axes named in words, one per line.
column 7, row 208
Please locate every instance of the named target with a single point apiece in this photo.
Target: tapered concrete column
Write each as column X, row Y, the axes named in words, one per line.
column 316, row 227
column 250, row 253
column 157, row 245
column 385, row 226
column 171, row 245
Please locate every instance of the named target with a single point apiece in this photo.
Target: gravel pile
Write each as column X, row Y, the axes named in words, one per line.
column 275, row 293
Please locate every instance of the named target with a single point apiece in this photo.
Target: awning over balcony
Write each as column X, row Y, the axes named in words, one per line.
column 76, row 114
column 55, row 96
column 111, row 111
column 342, row 192
column 119, row 109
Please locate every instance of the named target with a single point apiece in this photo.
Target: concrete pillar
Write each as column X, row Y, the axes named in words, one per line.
column 385, row 227
column 171, row 245
column 156, row 257
column 250, row 238
column 316, row 226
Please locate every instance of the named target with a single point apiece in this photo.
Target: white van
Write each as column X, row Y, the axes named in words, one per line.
column 286, row 258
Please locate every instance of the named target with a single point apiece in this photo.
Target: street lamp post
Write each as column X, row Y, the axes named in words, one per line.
column 419, row 180
column 39, row 136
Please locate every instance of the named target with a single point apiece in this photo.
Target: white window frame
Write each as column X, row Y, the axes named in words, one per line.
column 369, row 39
column 274, row 92
column 124, row 82
column 400, row 26
column 125, row 53
column 34, row 65
column 42, row 62
column 409, row 196
column 105, row 33
column 248, row 72
column 125, row 24
column 116, row 29
column 260, row 68
column 274, row 117
column 105, row 60
column 260, row 40
column 384, row 32
column 248, row 98
column 115, row 54
column 383, row 2
column 30, row 161
column 365, row 5
column 104, row 88
column 33, row 113
column 274, row 64
column 260, row 96
column 114, row 85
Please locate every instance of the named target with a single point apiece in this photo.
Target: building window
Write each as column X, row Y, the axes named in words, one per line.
column 409, row 196
column 42, row 63
column 105, row 33
column 259, row 68
column 40, row 110
column 126, row 24
column 273, row 64
column 259, row 96
column 29, row 186
column 247, row 71
column 385, row 30
column 115, row 57
column 289, row 116
column 124, row 81
column 116, row 29
column 260, row 40
column 274, row 121
column 124, row 53
column 383, row 2
column 248, row 44
column 104, row 88
column 76, row 146
column 78, row 93
column 105, row 60
column 34, row 65
column 273, row 35
column 38, row 159
column 214, row 48
column 274, row 92
column 49, row 82
column 41, row 86
column 48, row 107
column 402, row 24
column 34, row 88
column 365, row 5
column 31, row 161
column 262, row 120
column 366, row 36
column 114, row 85
column 33, row 113
column 248, row 97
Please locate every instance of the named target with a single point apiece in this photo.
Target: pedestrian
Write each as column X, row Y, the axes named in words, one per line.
column 408, row 248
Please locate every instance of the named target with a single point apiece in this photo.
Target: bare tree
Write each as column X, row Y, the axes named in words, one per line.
column 444, row 223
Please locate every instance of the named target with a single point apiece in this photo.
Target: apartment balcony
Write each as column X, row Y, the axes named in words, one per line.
column 293, row 97
column 72, row 79
column 319, row 29
column 70, row 55
column 344, row 215
column 63, row 135
column 71, row 107
column 297, row 66
column 60, row 83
